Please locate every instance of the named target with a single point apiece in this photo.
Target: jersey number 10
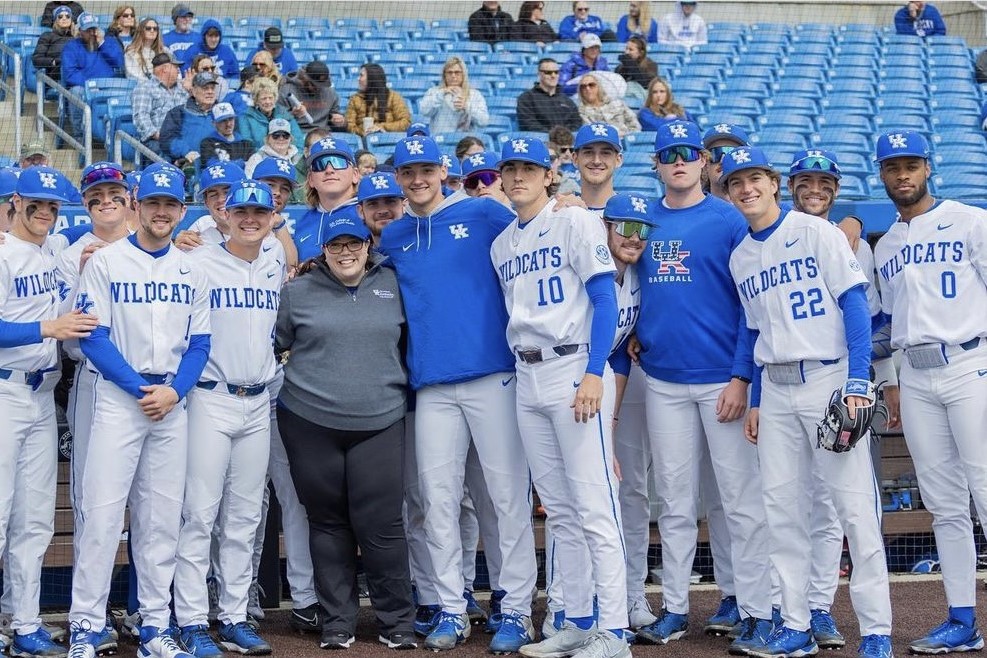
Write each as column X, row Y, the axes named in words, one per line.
column 555, row 294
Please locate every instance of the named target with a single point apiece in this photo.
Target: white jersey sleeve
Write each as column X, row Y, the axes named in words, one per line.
column 865, row 256
column 29, row 292
column 628, row 305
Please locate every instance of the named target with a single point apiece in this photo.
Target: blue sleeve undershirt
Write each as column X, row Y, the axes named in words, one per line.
column 103, row 354
column 192, row 363
column 857, row 325
column 604, row 299
column 743, row 357
column 16, row 334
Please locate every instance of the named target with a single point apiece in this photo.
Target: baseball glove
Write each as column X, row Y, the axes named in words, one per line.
column 837, row 431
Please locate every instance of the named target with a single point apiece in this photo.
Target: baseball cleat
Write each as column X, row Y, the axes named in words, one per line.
column 158, row 643
column 670, row 626
column 875, row 646
column 476, row 614
column 197, row 641
column 515, row 631
column 399, row 641
column 307, row 619
column 88, row 643
column 132, row 625
column 565, row 642
column 755, row 636
column 336, row 640
column 452, row 629
column 949, row 637
column 36, row 644
column 253, row 601
column 242, row 638
column 726, row 617
column 639, row 613
column 786, row 643
column 552, row 623
column 604, row 644
column 824, row 630
column 426, row 618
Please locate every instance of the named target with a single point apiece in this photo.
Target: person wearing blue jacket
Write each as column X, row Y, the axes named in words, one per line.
column 587, row 59
column 919, row 19
column 579, row 21
column 634, row 21
column 212, row 44
column 187, row 125
column 91, row 55
column 283, row 57
column 331, row 195
column 183, row 36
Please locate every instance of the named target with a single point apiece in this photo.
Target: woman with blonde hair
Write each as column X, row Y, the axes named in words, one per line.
column 255, row 122
column 596, row 107
column 637, row 22
column 660, row 107
column 146, row 44
column 124, row 25
column 454, row 106
column 263, row 63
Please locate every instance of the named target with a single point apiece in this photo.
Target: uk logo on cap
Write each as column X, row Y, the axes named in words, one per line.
column 376, row 185
column 741, row 156
column 380, row 183
column 599, row 129
column 216, row 171
column 415, row 147
column 519, row 145
column 902, row 143
column 639, row 204
column 283, row 166
column 162, row 180
column 722, row 128
column 477, row 159
column 678, row 130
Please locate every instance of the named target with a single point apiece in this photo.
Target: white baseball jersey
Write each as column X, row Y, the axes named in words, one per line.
column 243, row 301
column 933, row 273
column 789, row 285
column 209, row 232
column 152, row 306
column 543, row 266
column 29, row 292
column 628, row 305
column 67, row 264
column 865, row 256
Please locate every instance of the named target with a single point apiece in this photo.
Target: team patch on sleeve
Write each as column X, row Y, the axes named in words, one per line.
column 603, row 254
column 854, row 265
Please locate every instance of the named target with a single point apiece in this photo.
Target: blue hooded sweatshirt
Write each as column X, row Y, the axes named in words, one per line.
column 80, row 64
column 223, row 56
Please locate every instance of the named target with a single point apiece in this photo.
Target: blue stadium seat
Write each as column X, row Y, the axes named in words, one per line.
column 794, row 104
column 343, row 59
column 307, row 23
column 854, row 187
column 903, row 121
column 119, row 116
column 846, row 61
column 384, row 140
column 858, row 39
column 469, row 47
column 643, row 140
column 758, row 47
column 499, row 123
column 744, row 86
column 858, row 49
column 97, row 92
column 403, row 24
column 511, row 87
column 949, row 171
column 799, row 87
column 781, row 136
column 785, row 120
column 722, row 47
column 906, row 60
column 16, row 20
column 704, row 60
column 439, row 34
column 506, row 105
column 963, row 139
column 947, row 154
column 751, row 71
column 807, row 61
column 858, row 104
column 738, row 105
column 259, row 22
column 389, row 59
column 840, row 87
column 698, row 87
column 902, row 103
column 944, row 76
column 937, row 49
column 946, row 40
column 356, row 23
column 854, row 163
column 638, row 159
column 837, row 119
column 968, row 189
column 354, row 140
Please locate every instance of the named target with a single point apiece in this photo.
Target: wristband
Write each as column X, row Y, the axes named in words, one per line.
column 280, row 226
column 743, row 379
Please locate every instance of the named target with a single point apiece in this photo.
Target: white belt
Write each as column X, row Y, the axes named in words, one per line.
column 794, row 371
column 937, row 355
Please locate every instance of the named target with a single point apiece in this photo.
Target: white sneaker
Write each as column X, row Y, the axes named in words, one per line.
column 552, row 623
column 253, row 601
column 132, row 624
column 565, row 642
column 639, row 613
column 82, row 650
column 605, row 645
column 161, row 645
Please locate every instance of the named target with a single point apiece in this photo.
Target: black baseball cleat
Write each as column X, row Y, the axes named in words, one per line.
column 308, row 619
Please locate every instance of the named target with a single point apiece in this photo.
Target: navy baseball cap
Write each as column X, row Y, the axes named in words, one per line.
column 485, row 161
column 219, row 173
column 276, row 168
column 345, row 226
column 418, row 128
column 162, row 179
column 745, row 157
column 248, row 193
column 103, row 172
column 627, row 207
column 901, row 144
column 815, row 161
column 378, row 184
column 525, row 149
column 330, row 146
column 45, row 183
column 453, row 166
column 726, row 131
column 677, row 133
column 598, row 133
column 417, row 150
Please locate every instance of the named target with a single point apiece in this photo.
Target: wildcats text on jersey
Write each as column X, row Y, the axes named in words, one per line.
column 796, row 269
column 922, row 252
column 254, row 298
column 627, row 316
column 532, row 261
column 36, row 284
column 146, row 293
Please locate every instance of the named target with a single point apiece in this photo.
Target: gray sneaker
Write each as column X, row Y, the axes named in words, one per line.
column 639, row 613
column 605, row 645
column 566, row 642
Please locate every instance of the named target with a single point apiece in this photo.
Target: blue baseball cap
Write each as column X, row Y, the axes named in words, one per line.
column 276, row 168
column 816, row 161
column 8, row 182
column 44, row 183
column 219, row 173
column 247, row 193
column 677, row 133
column 344, row 226
column 484, row 161
column 418, row 128
column 726, row 131
column 416, row 150
column 378, row 184
column 103, row 172
column 627, row 207
column 222, row 112
column 453, row 166
column 162, row 179
column 745, row 157
column 525, row 149
column 330, row 146
column 598, row 133
column 61, row 9
column 87, row 21
column 901, row 144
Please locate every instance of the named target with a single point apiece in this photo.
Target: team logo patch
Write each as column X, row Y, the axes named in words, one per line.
column 327, row 143
column 380, row 182
column 722, row 127
column 599, row 129
column 65, row 446
column 602, row 254
column 678, row 130
column 670, row 261
column 477, row 159
column 284, row 166
column 415, row 147
column 741, row 156
column 898, row 141
column 854, row 265
column 83, row 303
column 48, row 180
column 217, row 171
column 63, row 290
column 459, row 231
column 812, row 153
column 519, row 145
column 162, row 180
column 446, row 160
column 639, row 205
column 384, row 294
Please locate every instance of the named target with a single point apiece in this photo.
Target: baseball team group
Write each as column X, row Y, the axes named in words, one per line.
column 439, row 355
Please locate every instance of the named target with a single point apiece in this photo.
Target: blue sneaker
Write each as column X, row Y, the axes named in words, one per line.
column 949, row 636
column 726, row 617
column 670, row 626
column 38, row 643
column 158, row 643
column 824, row 630
column 87, row 643
column 242, row 638
column 476, row 614
column 451, row 630
column 784, row 642
column 755, row 636
column 426, row 617
column 875, row 646
column 197, row 641
column 515, row 631
column 495, row 618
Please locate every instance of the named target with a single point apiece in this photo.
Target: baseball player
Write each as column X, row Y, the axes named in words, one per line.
column 697, row 380
column 29, row 328
column 332, row 181
column 804, row 297
column 558, row 281
column 481, row 177
column 148, row 351
column 463, row 373
column 933, row 267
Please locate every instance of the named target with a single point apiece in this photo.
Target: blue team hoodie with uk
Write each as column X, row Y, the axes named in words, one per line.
column 222, row 56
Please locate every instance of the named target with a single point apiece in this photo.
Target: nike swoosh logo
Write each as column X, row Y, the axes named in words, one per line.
column 943, row 228
column 265, row 249
column 303, row 239
column 307, row 620
column 543, row 233
column 789, row 244
column 407, row 246
column 505, row 382
column 271, row 275
column 634, row 292
column 575, row 384
column 184, row 271
column 981, row 373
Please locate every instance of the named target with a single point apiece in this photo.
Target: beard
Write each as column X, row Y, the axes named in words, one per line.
column 909, row 199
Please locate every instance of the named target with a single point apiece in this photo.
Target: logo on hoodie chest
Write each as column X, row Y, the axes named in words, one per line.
column 459, row 231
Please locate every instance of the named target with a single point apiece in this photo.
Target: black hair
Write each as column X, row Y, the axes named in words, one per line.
column 376, row 93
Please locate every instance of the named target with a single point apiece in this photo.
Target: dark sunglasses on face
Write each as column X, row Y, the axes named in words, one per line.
column 717, row 152
column 588, row 85
column 323, row 162
column 150, row 28
column 627, row 229
column 127, row 15
column 670, row 155
column 281, row 135
column 473, row 181
column 550, row 72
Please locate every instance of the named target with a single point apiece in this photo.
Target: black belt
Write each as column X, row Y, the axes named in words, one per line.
column 537, row 356
column 239, row 391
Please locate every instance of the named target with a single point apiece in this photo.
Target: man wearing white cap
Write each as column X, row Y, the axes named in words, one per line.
column 587, row 59
column 224, row 143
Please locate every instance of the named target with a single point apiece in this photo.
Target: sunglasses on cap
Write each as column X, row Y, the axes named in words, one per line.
column 107, row 175
column 337, row 162
column 816, row 163
column 717, row 153
column 627, row 229
column 672, row 154
column 473, row 181
column 250, row 196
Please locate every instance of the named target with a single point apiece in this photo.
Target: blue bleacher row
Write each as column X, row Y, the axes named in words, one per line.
column 792, row 87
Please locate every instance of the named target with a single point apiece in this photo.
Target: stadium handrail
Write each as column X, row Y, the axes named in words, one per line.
column 119, row 137
column 85, row 149
column 13, row 87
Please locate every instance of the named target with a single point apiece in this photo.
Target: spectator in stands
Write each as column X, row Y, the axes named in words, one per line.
column 90, row 55
column 580, row 20
column 587, row 59
column 366, row 162
column 47, row 55
column 312, row 86
column 242, row 98
column 139, row 55
column 490, row 23
column 596, row 107
column 683, row 27
column 48, row 13
column 187, row 125
column 263, row 63
column 566, row 184
column 273, row 44
column 124, row 25
column 375, row 108
column 660, row 106
column 225, row 143
column 203, row 63
column 34, row 154
column 637, row 22
column 919, row 19
column 277, row 145
column 255, row 122
column 183, row 36
column 154, row 98
column 468, row 146
column 719, row 141
column 212, row 44
column 544, row 106
column 565, row 141
column 454, row 106
column 635, row 66
column 531, row 24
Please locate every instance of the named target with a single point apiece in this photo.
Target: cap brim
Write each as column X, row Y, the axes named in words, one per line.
column 503, row 163
column 419, row 160
column 717, row 138
column 679, row 143
column 45, row 196
column 164, row 194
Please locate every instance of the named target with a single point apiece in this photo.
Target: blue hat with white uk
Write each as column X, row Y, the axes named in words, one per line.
column 818, row 161
column 417, row 150
column 628, row 207
column 378, row 184
column 219, row 173
column 103, row 172
column 901, row 144
column 525, row 149
column 276, row 168
column 745, row 157
column 598, row 133
column 330, row 146
column 729, row 131
column 484, row 161
column 162, row 179
column 250, row 193
column 134, row 179
column 8, row 182
column 344, row 226
column 454, row 168
column 677, row 133
column 87, row 21
column 43, row 183
column 418, row 128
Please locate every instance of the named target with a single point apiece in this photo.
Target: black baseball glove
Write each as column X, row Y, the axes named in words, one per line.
column 837, row 431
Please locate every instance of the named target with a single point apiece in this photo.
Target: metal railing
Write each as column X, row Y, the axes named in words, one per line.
column 119, row 137
column 66, row 96
column 13, row 88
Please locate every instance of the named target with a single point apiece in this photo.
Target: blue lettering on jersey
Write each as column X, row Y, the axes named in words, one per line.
column 147, row 293
column 796, row 269
column 533, row 261
column 33, row 285
column 627, row 316
column 251, row 298
column 922, row 252
column 670, row 262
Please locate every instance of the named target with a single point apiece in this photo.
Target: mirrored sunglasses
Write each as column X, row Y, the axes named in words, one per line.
column 323, row 162
column 717, row 153
column 816, row 163
column 250, row 196
column 107, row 175
column 627, row 229
column 473, row 181
column 671, row 155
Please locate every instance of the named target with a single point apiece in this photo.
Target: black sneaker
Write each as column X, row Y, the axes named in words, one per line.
column 335, row 639
column 399, row 641
column 308, row 619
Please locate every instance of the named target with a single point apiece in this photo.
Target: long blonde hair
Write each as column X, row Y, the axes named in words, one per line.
column 643, row 20
column 454, row 61
column 601, row 95
column 268, row 59
column 139, row 42
column 670, row 107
